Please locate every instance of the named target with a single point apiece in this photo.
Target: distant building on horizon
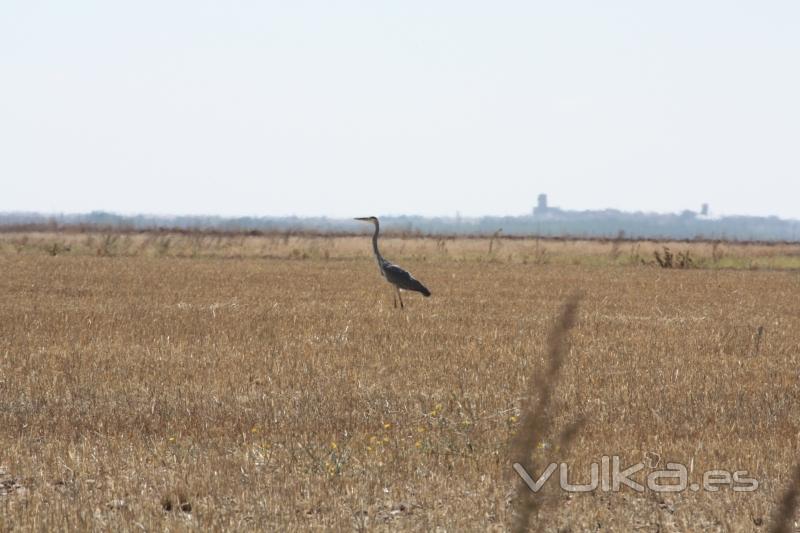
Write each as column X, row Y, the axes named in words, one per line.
column 541, row 205
column 543, row 209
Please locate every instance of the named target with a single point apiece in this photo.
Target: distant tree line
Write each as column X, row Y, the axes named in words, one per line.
column 555, row 223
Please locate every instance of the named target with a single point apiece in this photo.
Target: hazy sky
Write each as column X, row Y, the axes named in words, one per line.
column 422, row 107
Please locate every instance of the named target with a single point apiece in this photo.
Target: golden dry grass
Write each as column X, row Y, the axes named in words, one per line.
column 531, row 250
column 253, row 391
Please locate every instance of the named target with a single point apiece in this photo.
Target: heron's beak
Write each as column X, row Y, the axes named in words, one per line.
column 365, row 219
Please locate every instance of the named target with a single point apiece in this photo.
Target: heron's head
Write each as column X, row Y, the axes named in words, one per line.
column 373, row 220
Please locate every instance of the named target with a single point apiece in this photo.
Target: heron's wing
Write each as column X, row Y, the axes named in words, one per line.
column 404, row 280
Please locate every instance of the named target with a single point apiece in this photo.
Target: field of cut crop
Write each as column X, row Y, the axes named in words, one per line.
column 155, row 382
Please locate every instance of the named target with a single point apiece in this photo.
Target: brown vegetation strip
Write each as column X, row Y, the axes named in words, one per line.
column 387, row 232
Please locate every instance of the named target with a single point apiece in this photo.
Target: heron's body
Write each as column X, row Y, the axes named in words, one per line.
column 395, row 275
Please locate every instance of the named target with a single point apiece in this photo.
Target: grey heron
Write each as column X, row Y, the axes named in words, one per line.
column 393, row 273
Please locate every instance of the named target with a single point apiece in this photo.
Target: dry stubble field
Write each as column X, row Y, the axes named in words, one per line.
column 274, row 387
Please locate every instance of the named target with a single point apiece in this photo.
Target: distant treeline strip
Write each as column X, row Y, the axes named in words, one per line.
column 78, row 228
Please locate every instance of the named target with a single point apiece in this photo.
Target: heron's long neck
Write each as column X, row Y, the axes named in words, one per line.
column 375, row 243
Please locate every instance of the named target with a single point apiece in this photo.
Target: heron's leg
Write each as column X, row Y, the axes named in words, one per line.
column 394, row 300
column 399, row 297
